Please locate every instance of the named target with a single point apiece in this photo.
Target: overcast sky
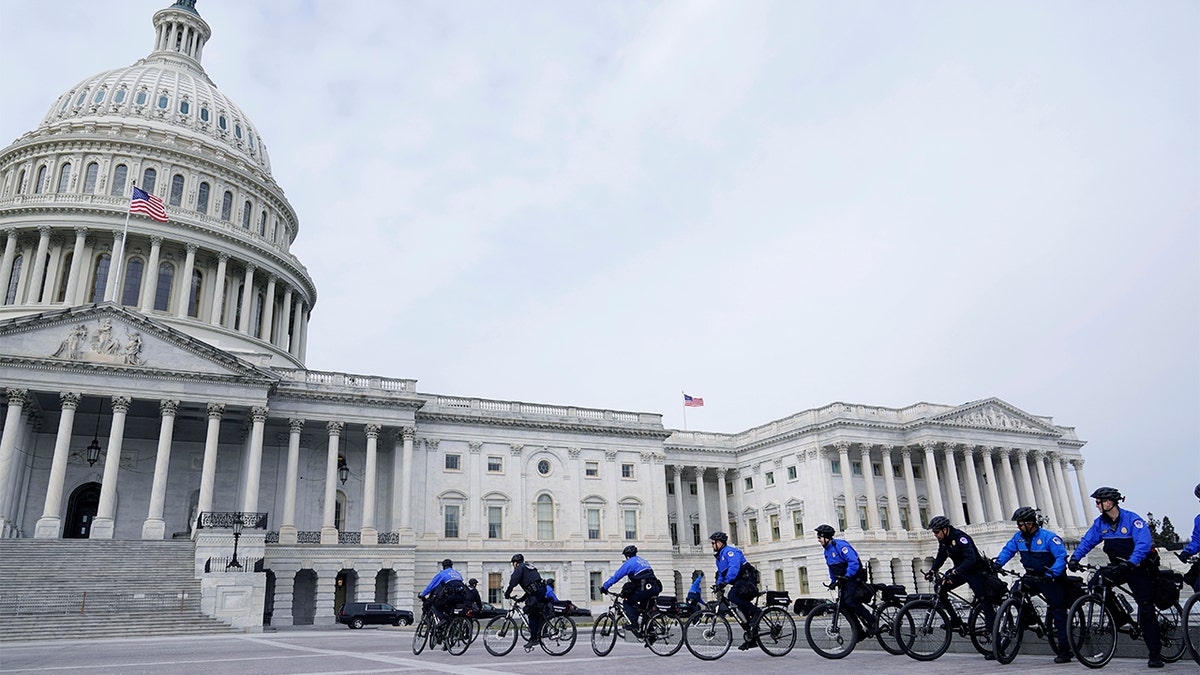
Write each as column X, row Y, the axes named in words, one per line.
column 772, row 206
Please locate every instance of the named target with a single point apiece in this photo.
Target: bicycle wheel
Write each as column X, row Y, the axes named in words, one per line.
column 1092, row 632
column 604, row 634
column 885, row 619
column 458, row 635
column 708, row 635
column 558, row 635
column 664, row 635
column 500, row 635
column 980, row 631
column 1007, row 633
column 1170, row 630
column 776, row 631
column 475, row 628
column 923, row 630
column 830, row 633
column 420, row 637
column 1191, row 625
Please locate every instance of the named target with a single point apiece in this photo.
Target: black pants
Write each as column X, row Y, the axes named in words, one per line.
column 1055, row 593
column 1141, row 584
column 536, row 610
column 636, row 604
column 742, row 596
column 979, row 587
column 849, row 592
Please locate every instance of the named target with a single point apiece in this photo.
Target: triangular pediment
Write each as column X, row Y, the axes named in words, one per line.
column 108, row 336
column 993, row 413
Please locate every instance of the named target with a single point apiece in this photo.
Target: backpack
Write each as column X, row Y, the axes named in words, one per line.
column 750, row 574
column 1167, row 585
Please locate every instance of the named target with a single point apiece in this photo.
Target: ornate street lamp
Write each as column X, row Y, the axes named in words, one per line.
column 237, row 534
column 343, row 470
column 93, row 448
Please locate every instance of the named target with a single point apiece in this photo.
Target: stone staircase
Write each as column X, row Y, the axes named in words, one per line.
column 52, row 589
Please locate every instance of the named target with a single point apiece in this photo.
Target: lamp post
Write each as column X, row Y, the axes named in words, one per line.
column 237, row 534
column 93, row 448
column 343, row 469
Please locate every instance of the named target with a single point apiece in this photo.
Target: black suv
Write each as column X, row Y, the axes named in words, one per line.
column 359, row 614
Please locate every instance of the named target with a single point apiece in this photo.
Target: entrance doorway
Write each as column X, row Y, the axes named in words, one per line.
column 81, row 511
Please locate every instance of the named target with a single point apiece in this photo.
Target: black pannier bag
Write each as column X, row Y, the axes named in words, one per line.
column 864, row 592
column 778, row 599
column 1167, row 586
column 1074, row 587
column 994, row 588
column 892, row 592
column 665, row 603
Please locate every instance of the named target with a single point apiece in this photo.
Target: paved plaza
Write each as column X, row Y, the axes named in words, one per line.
column 387, row 650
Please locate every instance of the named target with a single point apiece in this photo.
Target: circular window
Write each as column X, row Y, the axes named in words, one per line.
column 544, row 467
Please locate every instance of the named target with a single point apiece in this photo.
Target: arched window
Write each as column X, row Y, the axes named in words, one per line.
column 89, row 178
column 133, row 282
column 63, row 277
column 149, row 178
column 177, row 190
column 166, row 275
column 100, row 277
column 545, row 517
column 20, row 182
column 227, row 206
column 41, row 180
column 237, row 313
column 246, row 215
column 202, row 198
column 118, row 184
column 203, row 114
column 194, row 296
column 262, row 224
column 259, row 303
column 10, row 296
column 64, row 177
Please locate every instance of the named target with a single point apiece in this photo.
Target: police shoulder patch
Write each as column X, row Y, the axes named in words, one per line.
column 845, row 549
column 1138, row 524
column 1056, row 540
column 962, row 540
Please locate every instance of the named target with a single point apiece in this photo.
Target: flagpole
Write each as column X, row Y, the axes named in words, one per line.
column 121, row 256
column 684, row 402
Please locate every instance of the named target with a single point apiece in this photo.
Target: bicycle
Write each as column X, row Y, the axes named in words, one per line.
column 661, row 631
column 833, row 633
column 1018, row 614
column 454, row 634
column 1191, row 625
column 1095, row 619
column 925, row 624
column 708, row 636
column 557, row 637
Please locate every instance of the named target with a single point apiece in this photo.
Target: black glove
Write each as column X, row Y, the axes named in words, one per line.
column 717, row 588
column 1124, row 566
column 1183, row 557
column 1074, row 565
column 834, row 583
column 929, row 575
column 996, row 566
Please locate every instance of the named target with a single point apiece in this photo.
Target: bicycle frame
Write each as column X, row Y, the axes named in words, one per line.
column 957, row 606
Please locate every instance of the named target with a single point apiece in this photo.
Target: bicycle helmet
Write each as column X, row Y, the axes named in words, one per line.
column 629, row 551
column 1025, row 514
column 1197, row 492
column 473, row 582
column 447, row 563
column 938, row 522
column 518, row 558
column 825, row 531
column 550, row 583
column 1111, row 494
column 719, row 536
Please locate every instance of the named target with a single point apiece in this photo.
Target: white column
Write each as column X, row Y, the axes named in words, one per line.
column 49, row 526
column 473, row 528
column 1046, row 491
column 681, row 519
column 702, row 505
column 116, row 267
column 329, row 531
column 287, row 526
column 184, row 295
column 932, row 484
column 408, row 433
column 993, row 484
column 6, row 263
column 974, row 499
column 843, row 450
column 1031, row 496
column 264, row 333
column 303, row 353
column 150, row 276
column 105, row 523
column 955, row 489
column 869, row 483
column 910, row 485
column 208, row 472
column 285, row 321
column 1067, row 508
column 297, row 323
column 17, row 398
column 369, row 534
column 258, row 420
column 247, row 300
column 155, row 527
column 38, row 263
column 889, row 481
column 1012, row 498
column 218, row 300
column 76, row 265
column 1085, row 495
column 722, row 499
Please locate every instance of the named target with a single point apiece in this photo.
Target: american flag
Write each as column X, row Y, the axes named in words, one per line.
column 144, row 202
column 692, row 402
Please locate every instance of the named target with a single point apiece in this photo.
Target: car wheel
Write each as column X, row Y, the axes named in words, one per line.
column 406, row 621
column 356, row 622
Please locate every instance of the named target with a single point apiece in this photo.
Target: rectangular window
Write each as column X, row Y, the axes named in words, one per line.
column 791, row 473
column 770, row 478
column 862, row 517
column 674, row 534
column 695, row 534
column 593, row 523
column 630, row 524
column 924, row 513
column 495, row 464
column 897, row 472
column 733, row 532
column 452, row 462
column 877, row 469
column 855, row 468
column 692, row 488
column 753, row 527
column 729, row 488
column 904, row 518
column 545, row 518
column 883, row 518
column 595, row 581
column 775, row 529
column 749, row 483
column 670, row 488
column 627, row 471
column 841, row 516
column 494, row 587
column 798, row 524
column 451, row 531
column 803, row 571
column 836, row 466
column 917, row 471
column 495, row 522
column 591, row 469
column 779, row 579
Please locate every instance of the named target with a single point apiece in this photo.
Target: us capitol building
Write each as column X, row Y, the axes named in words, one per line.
column 155, row 389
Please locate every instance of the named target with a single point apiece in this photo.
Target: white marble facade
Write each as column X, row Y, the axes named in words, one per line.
column 188, row 372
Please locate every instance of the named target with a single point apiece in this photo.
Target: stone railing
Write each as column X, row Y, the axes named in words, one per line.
column 349, row 381
column 450, row 404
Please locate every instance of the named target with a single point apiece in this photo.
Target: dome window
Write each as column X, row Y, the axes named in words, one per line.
column 237, row 131
column 99, row 97
column 163, row 101
column 246, row 215
column 140, row 99
column 184, row 107
column 202, row 199
column 119, row 97
column 177, row 190
column 66, row 102
column 89, row 179
column 118, row 181
column 203, row 114
column 82, row 97
column 250, row 139
column 222, row 123
column 227, row 206
column 149, row 178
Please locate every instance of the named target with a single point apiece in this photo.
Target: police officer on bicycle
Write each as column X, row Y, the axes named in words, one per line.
column 970, row 567
column 536, row 606
column 445, row 590
column 1042, row 554
column 1193, row 547
column 1128, row 544
column 643, row 586
column 731, row 569
column 846, row 571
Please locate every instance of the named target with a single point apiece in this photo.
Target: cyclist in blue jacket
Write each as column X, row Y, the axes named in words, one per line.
column 845, row 570
column 645, row 586
column 1127, row 542
column 550, row 595
column 1042, row 553
column 730, row 570
column 445, row 590
column 1192, row 549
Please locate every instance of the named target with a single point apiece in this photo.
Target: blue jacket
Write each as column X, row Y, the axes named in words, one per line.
column 636, row 567
column 550, row 593
column 1193, row 546
column 1041, row 553
column 696, row 585
column 445, row 576
column 842, row 559
column 729, row 563
column 1128, row 537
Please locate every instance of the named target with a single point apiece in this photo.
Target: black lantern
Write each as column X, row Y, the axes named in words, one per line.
column 93, row 448
column 237, row 534
column 343, row 470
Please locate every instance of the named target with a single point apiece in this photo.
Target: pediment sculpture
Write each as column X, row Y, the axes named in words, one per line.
column 991, row 416
column 101, row 346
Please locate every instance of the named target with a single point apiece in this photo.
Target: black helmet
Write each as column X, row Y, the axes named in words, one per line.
column 629, row 551
column 473, row 582
column 825, row 531
column 1025, row 514
column 1197, row 490
column 550, row 583
column 447, row 563
column 938, row 522
column 1111, row 494
column 719, row 536
column 518, row 558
